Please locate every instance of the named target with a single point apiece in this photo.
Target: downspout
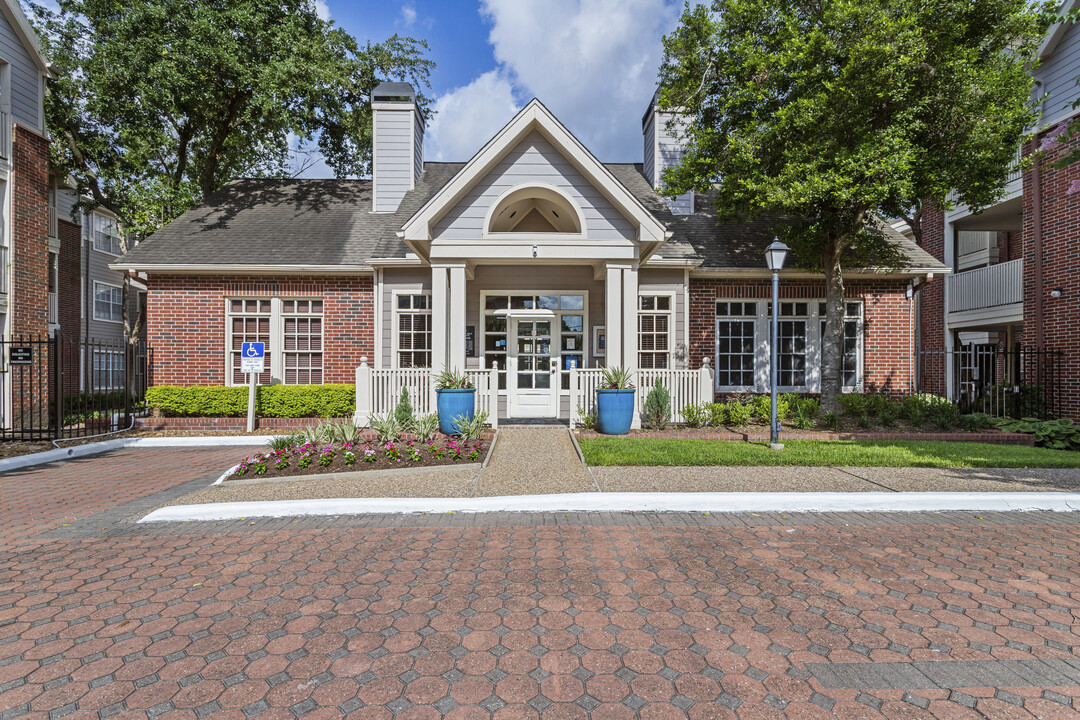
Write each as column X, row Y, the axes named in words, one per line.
column 1036, row 241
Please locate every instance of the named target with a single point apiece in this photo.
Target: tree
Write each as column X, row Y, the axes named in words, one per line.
column 1067, row 131
column 159, row 103
column 826, row 115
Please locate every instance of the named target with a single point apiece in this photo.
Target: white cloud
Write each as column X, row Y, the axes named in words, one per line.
column 408, row 15
column 322, row 9
column 592, row 62
column 468, row 116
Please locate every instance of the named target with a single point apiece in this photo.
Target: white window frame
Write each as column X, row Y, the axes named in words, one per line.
column 113, row 370
column 94, row 235
column 811, row 341
column 671, row 316
column 109, row 319
column 395, row 348
column 755, row 320
column 763, row 338
column 276, row 347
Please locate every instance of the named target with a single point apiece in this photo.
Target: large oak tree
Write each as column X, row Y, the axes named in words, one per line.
column 828, row 114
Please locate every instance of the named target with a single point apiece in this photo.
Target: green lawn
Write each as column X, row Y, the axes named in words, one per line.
column 864, row 453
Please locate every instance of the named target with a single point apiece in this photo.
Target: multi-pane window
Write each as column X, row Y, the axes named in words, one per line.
column 414, row 331
column 249, row 321
column 302, row 341
column 792, row 340
column 106, row 235
column 108, row 302
column 108, row 369
column 850, row 363
column 735, row 344
column 568, row 312
column 654, row 323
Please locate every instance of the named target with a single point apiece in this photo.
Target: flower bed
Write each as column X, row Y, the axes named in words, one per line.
column 317, row 459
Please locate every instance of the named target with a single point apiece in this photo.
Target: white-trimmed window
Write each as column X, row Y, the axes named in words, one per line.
column 302, row 346
column 413, row 344
column 792, row 359
column 108, row 369
column 654, row 329
column 106, row 234
column 736, row 343
column 249, row 321
column 851, row 369
column 108, row 302
column 742, row 345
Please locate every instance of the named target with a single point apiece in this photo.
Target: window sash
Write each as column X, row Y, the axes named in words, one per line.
column 654, row 331
column 108, row 302
column 108, row 369
column 412, row 328
column 291, row 328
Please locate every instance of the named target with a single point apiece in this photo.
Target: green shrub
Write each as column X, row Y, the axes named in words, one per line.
column 425, row 426
column 831, row 420
column 805, row 415
column 658, row 406
column 587, row 419
column 279, row 401
column 928, row 403
column 695, row 415
column 739, row 413
column 1063, row 434
column 386, row 427
column 718, row 413
column 471, row 430
column 763, row 407
column 404, row 412
column 854, row 404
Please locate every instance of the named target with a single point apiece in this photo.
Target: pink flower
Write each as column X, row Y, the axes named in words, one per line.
column 1050, row 140
column 1074, row 187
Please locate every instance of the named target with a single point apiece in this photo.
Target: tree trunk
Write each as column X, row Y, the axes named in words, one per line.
column 832, row 343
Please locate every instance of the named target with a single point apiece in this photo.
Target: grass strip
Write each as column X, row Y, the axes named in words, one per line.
column 822, row 453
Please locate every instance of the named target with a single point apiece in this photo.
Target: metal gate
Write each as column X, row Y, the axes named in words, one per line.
column 1004, row 382
column 57, row 387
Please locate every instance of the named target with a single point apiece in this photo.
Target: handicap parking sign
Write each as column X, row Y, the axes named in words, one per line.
column 252, row 356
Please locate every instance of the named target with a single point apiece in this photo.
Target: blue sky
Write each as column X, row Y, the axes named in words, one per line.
column 592, row 62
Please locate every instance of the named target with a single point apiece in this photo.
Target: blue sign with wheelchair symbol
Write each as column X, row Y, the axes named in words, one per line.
column 253, row 350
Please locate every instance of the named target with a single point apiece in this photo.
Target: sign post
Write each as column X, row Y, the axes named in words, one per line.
column 252, row 361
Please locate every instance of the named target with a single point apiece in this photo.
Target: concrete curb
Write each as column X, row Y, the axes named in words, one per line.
column 635, row 502
column 78, row 451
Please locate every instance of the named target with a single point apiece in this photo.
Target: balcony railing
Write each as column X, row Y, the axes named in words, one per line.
column 54, row 309
column 1016, row 171
column 987, row 287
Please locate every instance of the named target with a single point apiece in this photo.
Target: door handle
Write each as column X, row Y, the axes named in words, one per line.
column 554, row 366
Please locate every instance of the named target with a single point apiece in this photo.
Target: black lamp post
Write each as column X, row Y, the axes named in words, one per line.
column 775, row 255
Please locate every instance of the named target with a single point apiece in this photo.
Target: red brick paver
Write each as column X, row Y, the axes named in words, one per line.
column 522, row 620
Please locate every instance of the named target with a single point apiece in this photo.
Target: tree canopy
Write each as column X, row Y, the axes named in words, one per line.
column 826, row 115
column 159, row 103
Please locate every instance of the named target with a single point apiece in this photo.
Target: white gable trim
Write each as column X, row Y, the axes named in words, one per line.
column 533, row 117
column 1056, row 32
column 17, row 19
column 543, row 190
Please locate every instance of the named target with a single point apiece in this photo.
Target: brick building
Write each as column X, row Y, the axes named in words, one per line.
column 1014, row 289
column 533, row 256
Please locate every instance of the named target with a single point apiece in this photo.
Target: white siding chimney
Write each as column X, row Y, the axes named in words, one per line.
column 663, row 149
column 398, row 144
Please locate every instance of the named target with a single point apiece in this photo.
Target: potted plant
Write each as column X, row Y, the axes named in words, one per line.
column 455, row 398
column 615, row 401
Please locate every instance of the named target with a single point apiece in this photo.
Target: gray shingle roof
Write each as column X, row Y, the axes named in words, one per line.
column 329, row 222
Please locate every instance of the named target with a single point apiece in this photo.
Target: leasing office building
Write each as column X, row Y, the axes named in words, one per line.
column 533, row 255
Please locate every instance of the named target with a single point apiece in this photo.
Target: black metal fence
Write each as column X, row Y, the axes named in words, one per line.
column 57, row 387
column 993, row 379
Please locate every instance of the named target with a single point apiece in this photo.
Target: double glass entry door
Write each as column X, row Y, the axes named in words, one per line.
column 534, row 371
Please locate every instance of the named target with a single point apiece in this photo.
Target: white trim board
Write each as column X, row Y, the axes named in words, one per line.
column 635, row 502
column 77, row 451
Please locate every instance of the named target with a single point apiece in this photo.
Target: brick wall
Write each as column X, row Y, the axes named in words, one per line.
column 69, row 295
column 186, row 323
column 30, row 235
column 888, row 341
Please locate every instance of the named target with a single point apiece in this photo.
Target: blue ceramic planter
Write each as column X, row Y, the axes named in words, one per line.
column 615, row 410
column 452, row 404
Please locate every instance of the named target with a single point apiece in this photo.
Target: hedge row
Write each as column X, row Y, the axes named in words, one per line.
column 272, row 401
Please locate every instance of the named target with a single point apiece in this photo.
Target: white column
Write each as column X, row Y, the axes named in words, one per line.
column 630, row 318
column 439, row 315
column 363, row 393
column 613, row 313
column 456, row 325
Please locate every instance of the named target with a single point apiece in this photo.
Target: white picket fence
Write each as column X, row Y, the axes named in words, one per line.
column 379, row 390
column 685, row 387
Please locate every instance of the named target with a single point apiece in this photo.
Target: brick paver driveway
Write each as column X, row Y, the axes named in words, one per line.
column 554, row 616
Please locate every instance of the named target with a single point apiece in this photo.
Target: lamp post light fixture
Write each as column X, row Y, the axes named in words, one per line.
column 775, row 255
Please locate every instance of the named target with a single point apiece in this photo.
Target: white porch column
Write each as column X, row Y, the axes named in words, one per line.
column 439, row 316
column 630, row 318
column 613, row 314
column 456, row 324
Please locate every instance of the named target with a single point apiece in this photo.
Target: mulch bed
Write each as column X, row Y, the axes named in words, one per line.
column 404, row 455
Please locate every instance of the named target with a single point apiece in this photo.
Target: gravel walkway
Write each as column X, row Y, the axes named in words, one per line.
column 534, row 461
column 828, row 479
